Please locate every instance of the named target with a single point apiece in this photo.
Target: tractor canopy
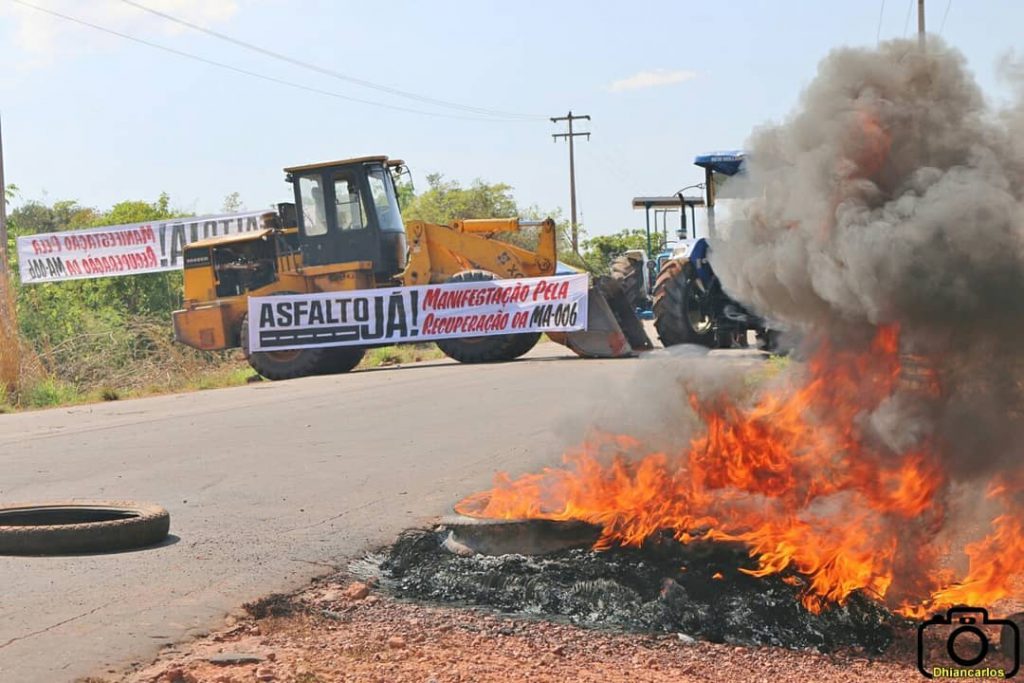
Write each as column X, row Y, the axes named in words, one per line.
column 727, row 162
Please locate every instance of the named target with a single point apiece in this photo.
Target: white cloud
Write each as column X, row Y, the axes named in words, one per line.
column 651, row 79
column 42, row 38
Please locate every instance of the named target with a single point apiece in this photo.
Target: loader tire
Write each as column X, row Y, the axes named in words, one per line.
column 523, row 344
column 628, row 272
column 489, row 349
column 66, row 527
column 675, row 316
column 341, row 359
column 289, row 364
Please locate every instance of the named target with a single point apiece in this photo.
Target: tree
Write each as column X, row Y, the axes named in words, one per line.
column 446, row 201
column 232, row 203
column 599, row 251
column 405, row 193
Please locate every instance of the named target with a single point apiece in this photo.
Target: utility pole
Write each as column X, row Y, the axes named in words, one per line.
column 3, row 211
column 920, row 24
column 572, row 170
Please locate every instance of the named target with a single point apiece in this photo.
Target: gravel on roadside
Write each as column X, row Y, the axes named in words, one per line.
column 340, row 630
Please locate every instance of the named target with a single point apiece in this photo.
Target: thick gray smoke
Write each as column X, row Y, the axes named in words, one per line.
column 895, row 194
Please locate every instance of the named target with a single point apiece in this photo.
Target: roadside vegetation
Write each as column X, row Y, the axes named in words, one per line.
column 110, row 338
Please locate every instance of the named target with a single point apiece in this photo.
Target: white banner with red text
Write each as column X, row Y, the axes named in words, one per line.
column 422, row 313
column 131, row 249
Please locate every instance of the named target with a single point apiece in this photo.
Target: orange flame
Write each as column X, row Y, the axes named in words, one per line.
column 798, row 475
column 797, row 478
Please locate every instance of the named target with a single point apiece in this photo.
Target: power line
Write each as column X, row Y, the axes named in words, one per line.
column 3, row 223
column 944, row 15
column 878, row 33
column 906, row 24
column 329, row 72
column 246, row 72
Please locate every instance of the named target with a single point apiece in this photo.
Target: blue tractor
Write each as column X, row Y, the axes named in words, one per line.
column 678, row 285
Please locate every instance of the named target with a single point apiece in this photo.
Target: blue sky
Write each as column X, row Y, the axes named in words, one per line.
column 96, row 118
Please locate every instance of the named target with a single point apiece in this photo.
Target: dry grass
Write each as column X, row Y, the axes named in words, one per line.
column 111, row 361
column 141, row 359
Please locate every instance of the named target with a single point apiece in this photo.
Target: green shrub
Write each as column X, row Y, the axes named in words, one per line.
column 49, row 392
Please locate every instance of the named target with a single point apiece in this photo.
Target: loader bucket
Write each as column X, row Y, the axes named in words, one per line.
column 605, row 337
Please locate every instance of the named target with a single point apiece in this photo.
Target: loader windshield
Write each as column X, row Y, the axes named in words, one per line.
column 388, row 217
column 349, row 211
column 314, row 212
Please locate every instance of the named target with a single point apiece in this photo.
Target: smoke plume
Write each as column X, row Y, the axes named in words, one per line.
column 884, row 222
column 894, row 194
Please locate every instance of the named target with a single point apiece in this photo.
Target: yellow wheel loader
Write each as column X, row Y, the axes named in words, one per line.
column 345, row 232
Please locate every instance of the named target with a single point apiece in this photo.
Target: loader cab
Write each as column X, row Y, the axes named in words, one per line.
column 348, row 211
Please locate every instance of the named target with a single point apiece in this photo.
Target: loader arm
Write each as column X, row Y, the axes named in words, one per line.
column 437, row 252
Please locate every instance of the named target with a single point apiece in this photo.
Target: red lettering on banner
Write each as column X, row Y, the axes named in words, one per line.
column 550, row 291
column 46, row 245
column 465, row 324
column 136, row 260
column 107, row 240
column 492, row 294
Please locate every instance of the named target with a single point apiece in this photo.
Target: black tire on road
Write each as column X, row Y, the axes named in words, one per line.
column 629, row 272
column 523, row 343
column 290, row 364
column 342, row 359
column 674, row 307
column 488, row 349
column 67, row 527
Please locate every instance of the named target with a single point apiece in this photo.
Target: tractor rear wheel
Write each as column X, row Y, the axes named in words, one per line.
column 678, row 315
column 489, row 349
column 629, row 274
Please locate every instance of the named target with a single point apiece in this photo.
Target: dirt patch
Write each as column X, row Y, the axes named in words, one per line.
column 274, row 605
column 338, row 632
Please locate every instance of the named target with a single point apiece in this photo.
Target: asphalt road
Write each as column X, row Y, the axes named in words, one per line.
column 268, row 485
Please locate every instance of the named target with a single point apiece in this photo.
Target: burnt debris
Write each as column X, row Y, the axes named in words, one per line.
column 663, row 587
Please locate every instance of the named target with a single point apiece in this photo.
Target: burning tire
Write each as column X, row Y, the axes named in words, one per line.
column 470, row 535
column 65, row 527
column 627, row 271
column 678, row 314
column 490, row 349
